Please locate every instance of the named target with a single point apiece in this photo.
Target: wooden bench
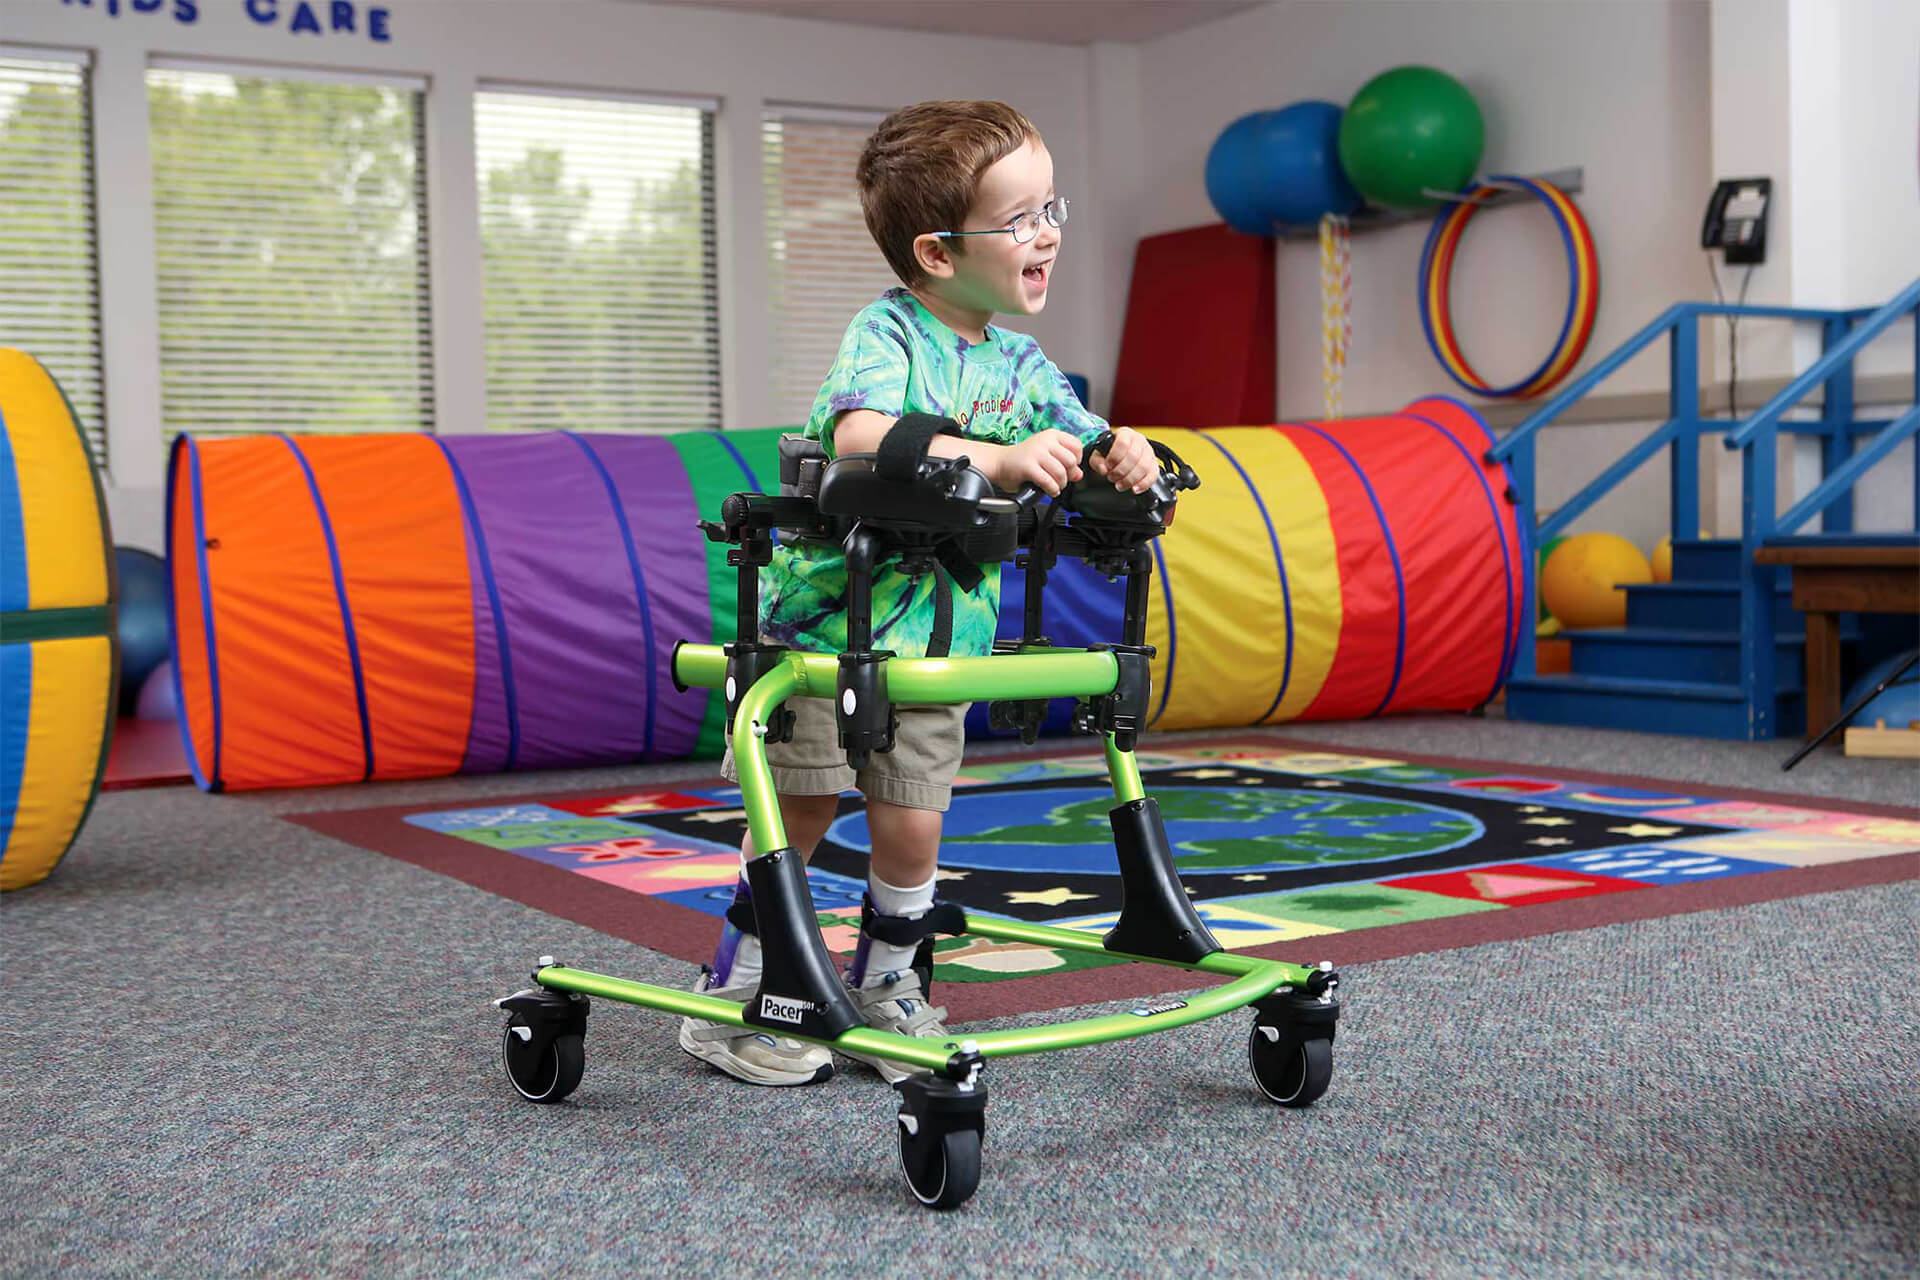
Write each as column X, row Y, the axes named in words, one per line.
column 1852, row 574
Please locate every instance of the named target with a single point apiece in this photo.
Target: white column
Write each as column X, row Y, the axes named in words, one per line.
column 1116, row 129
column 454, row 280
column 746, row 330
column 129, row 298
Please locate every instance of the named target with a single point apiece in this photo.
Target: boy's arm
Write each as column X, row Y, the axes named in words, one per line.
column 1048, row 459
column 1129, row 463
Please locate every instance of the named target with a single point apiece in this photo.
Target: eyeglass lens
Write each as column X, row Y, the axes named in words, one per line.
column 1027, row 225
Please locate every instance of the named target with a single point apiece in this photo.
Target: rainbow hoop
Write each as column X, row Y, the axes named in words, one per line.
column 1583, row 288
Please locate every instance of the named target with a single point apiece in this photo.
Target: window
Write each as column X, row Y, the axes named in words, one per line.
column 49, row 276
column 599, row 251
column 292, row 258
column 822, row 264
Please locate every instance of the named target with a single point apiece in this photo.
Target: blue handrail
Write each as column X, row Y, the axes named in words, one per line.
column 1817, row 372
column 1844, row 331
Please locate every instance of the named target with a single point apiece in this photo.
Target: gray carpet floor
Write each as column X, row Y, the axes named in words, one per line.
column 239, row 1047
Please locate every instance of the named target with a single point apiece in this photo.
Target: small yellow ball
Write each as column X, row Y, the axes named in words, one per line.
column 1582, row 580
column 1663, row 560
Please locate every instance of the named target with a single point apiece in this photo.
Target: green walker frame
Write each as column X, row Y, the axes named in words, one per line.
column 942, row 1106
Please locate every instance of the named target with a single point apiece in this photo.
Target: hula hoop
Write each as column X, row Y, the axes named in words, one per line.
column 1583, row 288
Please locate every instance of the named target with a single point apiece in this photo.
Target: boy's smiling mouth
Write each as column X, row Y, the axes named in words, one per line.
column 1037, row 273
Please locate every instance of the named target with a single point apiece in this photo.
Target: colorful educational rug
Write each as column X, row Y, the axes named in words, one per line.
column 1287, row 850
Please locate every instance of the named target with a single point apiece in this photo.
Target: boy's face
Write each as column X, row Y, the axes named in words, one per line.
column 991, row 275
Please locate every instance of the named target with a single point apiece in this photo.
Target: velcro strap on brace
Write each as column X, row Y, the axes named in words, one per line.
column 905, row 444
column 907, row 931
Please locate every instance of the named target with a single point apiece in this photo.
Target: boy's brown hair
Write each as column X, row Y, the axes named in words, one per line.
column 918, row 171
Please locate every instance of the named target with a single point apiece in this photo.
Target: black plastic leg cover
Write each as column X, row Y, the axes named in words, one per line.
column 1157, row 918
column 799, row 990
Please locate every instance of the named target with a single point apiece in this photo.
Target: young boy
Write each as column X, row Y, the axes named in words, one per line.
column 960, row 198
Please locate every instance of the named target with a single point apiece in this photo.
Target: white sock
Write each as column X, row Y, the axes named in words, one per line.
column 746, row 963
column 892, row 900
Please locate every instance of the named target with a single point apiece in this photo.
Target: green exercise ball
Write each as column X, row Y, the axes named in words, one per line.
column 1409, row 129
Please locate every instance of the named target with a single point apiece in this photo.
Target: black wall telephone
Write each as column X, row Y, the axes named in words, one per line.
column 1736, row 221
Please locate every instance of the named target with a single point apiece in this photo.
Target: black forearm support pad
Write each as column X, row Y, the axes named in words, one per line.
column 905, row 444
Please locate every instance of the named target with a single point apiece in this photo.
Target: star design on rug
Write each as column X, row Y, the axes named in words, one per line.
column 1203, row 774
column 1044, row 897
column 638, row 804
column 718, row 815
column 1252, row 877
column 1325, row 782
column 1546, row 822
column 1532, row 808
column 941, row 873
column 1641, row 830
column 1495, row 885
column 1547, row 842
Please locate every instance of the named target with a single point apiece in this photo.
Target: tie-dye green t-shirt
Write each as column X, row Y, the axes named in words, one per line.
column 897, row 358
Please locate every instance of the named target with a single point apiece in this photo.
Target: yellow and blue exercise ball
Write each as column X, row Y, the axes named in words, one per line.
column 58, row 641
column 1583, row 579
column 1410, row 130
column 1273, row 168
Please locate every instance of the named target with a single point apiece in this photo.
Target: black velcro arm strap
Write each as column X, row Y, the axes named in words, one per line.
column 905, row 444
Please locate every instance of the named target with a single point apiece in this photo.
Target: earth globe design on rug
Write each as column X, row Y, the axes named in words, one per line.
column 1066, row 829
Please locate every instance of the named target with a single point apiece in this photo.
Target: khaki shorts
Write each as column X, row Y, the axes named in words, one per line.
column 917, row 774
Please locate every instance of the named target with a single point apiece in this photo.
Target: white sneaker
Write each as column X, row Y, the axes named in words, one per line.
column 898, row 1004
column 748, row 1053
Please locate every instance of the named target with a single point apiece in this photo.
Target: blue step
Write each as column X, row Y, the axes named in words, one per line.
column 1707, row 560
column 1701, row 606
column 1706, row 657
column 1682, row 707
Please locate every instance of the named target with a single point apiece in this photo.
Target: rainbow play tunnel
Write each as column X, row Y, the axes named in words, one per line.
column 350, row 608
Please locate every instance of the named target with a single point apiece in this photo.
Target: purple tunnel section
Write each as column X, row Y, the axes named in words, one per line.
column 575, row 599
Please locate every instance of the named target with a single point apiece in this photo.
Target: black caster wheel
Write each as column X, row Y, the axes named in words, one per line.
column 541, row 1072
column 1291, row 1070
column 942, row 1122
column 544, row 1045
column 943, row 1169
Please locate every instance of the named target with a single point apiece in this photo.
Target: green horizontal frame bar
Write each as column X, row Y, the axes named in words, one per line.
column 1256, row 978
column 926, row 680
column 931, row 1055
column 1053, row 673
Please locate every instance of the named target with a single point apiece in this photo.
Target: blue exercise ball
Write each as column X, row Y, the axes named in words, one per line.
column 1280, row 167
column 145, row 633
column 156, row 701
column 1898, row 704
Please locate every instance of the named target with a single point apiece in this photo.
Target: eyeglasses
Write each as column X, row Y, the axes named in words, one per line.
column 1025, row 227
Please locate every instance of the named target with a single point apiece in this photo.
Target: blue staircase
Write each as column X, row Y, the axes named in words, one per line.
column 1719, row 651
column 1675, row 666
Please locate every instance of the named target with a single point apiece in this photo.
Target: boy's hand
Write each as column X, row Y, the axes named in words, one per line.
column 1047, row 458
column 1129, row 463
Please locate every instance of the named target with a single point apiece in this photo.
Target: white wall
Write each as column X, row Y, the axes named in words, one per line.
column 1653, row 99
column 1618, row 89
column 744, row 59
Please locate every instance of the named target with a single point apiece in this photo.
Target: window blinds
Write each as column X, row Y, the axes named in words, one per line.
column 49, row 269
column 823, row 265
column 290, row 237
column 599, row 251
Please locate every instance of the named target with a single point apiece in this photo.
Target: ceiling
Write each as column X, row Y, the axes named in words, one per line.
column 1049, row 21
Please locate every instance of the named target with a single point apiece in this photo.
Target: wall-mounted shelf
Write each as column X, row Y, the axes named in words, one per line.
column 1369, row 218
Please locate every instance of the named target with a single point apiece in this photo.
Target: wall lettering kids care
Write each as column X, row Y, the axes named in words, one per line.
column 323, row 18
